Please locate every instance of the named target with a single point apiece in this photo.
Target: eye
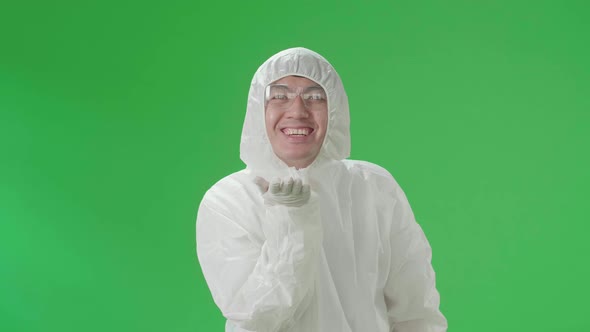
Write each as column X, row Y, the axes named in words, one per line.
column 279, row 96
column 317, row 97
column 314, row 97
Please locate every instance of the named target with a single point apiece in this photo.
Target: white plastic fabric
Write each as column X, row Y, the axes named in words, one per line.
column 351, row 259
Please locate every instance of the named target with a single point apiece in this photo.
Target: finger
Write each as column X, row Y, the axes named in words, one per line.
column 262, row 184
column 275, row 186
column 305, row 189
column 288, row 186
column 297, row 187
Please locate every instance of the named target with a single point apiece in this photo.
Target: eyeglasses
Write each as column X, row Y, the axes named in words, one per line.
column 280, row 96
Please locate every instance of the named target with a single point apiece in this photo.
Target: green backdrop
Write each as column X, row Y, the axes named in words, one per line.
column 117, row 116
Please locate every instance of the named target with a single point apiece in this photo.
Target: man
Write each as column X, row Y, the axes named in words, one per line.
column 303, row 239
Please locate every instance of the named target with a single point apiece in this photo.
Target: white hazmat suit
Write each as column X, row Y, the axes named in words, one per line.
column 351, row 259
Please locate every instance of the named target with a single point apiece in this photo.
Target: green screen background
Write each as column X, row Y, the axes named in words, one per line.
column 117, row 116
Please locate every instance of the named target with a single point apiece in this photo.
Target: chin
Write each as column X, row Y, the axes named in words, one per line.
column 296, row 155
column 298, row 159
column 294, row 159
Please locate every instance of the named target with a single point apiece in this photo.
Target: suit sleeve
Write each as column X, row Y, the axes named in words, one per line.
column 260, row 284
column 410, row 292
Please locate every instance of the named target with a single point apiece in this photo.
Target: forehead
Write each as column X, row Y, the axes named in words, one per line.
column 296, row 81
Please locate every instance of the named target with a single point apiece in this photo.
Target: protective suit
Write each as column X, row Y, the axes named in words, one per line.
column 351, row 259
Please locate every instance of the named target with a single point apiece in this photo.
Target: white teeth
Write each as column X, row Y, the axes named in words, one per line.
column 296, row 131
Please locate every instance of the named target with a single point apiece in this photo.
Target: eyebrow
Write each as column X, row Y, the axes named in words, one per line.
column 307, row 88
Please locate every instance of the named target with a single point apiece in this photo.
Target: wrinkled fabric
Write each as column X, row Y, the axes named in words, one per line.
column 351, row 259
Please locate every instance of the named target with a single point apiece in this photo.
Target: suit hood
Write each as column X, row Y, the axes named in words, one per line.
column 255, row 148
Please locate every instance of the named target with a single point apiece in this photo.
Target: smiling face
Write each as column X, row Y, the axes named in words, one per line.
column 296, row 118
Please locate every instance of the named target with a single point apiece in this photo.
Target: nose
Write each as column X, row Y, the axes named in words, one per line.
column 297, row 109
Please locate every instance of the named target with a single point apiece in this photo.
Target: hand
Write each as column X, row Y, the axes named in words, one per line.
column 288, row 193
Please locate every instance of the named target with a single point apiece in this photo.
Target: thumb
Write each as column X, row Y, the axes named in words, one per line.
column 262, row 184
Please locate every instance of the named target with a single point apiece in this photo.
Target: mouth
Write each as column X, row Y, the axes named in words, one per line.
column 297, row 132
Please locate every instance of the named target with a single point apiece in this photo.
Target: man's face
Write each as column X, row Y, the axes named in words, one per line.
column 296, row 119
